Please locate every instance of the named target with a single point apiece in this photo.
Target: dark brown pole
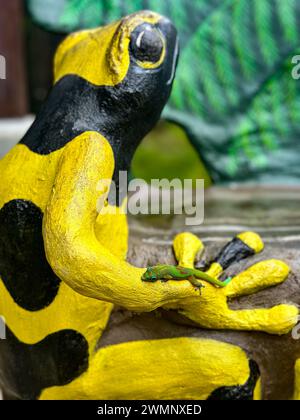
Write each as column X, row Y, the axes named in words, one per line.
column 13, row 93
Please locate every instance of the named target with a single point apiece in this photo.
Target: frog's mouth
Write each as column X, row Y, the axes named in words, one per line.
column 174, row 63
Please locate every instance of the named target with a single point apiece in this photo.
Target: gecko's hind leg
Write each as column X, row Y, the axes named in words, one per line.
column 195, row 282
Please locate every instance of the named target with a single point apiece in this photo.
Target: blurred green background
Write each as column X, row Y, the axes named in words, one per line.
column 167, row 153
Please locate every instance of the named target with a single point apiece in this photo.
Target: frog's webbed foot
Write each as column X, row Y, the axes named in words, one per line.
column 212, row 310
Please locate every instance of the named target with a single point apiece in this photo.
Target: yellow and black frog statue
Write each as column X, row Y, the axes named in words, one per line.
column 63, row 262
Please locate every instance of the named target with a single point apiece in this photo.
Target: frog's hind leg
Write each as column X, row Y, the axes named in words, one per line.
column 178, row 368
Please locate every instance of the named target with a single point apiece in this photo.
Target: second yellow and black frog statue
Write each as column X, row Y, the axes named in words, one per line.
column 62, row 263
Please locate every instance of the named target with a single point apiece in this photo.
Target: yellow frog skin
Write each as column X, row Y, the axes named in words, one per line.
column 62, row 263
column 297, row 381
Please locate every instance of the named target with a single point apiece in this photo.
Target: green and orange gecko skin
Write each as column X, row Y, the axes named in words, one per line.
column 171, row 272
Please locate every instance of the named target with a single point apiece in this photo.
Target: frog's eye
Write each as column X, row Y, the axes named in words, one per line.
column 147, row 44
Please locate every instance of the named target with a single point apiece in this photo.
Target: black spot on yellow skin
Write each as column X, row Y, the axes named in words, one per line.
column 235, row 251
column 240, row 392
column 23, row 266
column 25, row 370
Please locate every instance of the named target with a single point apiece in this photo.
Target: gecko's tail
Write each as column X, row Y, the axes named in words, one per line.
column 225, row 282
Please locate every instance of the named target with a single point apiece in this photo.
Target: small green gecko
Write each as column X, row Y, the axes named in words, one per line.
column 171, row 272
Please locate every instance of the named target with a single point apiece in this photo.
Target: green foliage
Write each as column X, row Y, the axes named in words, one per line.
column 234, row 92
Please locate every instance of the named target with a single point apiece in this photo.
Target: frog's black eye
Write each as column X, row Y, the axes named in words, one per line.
column 147, row 44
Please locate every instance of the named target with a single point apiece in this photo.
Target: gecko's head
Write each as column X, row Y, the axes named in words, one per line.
column 133, row 61
column 149, row 275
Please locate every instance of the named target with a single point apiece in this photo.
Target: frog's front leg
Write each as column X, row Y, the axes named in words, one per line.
column 72, row 247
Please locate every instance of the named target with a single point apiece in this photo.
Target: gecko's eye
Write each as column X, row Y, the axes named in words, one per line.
column 147, row 44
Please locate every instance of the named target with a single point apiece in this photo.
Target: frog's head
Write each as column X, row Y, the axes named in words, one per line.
column 128, row 68
column 141, row 50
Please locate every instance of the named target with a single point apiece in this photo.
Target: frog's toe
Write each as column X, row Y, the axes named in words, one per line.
column 186, row 247
column 257, row 277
